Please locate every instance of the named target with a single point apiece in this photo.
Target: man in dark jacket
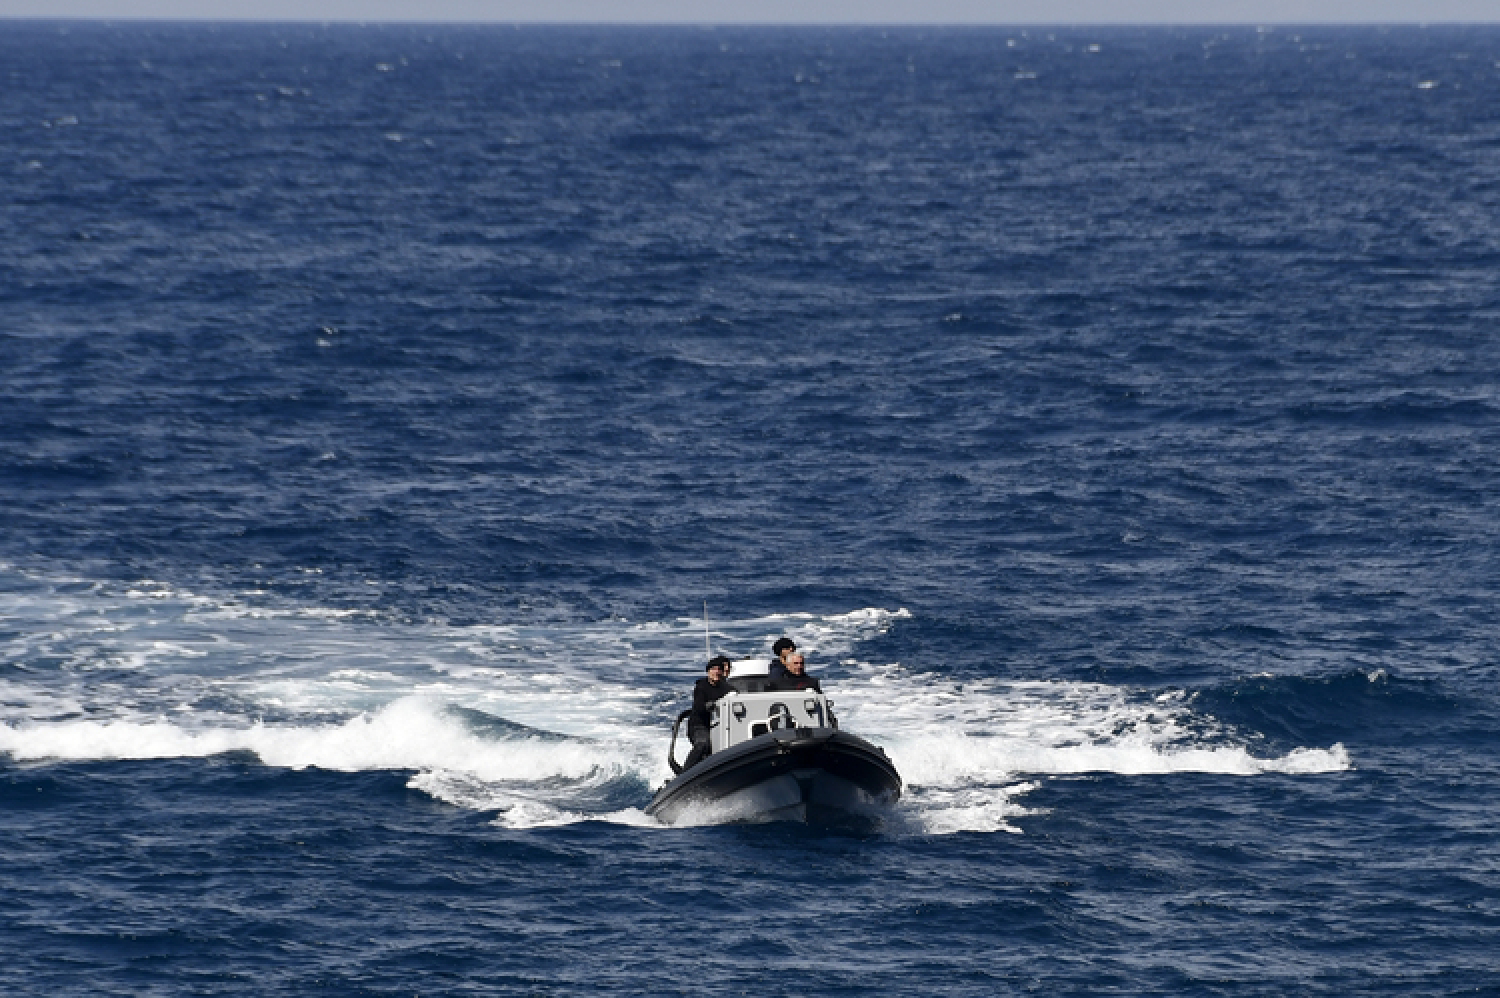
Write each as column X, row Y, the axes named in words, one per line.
column 705, row 693
column 796, row 677
column 779, row 652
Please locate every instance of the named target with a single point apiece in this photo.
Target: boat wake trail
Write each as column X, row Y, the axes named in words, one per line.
column 969, row 751
column 491, row 718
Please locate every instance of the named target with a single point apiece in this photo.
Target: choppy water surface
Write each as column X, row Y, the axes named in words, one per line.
column 1111, row 415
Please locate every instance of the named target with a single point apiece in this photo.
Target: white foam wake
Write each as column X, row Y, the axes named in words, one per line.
column 412, row 733
column 968, row 751
column 147, row 672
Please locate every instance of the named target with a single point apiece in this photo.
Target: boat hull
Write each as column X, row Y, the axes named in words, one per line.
column 821, row 776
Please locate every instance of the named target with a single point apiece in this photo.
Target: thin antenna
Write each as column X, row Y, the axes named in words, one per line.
column 706, row 646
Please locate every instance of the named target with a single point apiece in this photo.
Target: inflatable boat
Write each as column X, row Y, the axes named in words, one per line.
column 778, row 755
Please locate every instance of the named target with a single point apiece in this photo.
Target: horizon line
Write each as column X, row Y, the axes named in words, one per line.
column 712, row 24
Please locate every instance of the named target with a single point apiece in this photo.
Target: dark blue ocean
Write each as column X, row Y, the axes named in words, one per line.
column 1112, row 415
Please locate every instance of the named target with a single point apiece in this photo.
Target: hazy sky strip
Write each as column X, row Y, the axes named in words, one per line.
column 780, row 11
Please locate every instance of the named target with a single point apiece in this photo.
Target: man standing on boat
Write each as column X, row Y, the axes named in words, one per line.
column 779, row 652
column 705, row 693
column 796, row 677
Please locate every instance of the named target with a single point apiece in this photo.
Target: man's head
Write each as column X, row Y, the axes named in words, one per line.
column 795, row 663
column 717, row 668
column 783, row 647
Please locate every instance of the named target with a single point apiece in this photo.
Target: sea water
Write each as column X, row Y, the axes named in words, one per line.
column 1109, row 414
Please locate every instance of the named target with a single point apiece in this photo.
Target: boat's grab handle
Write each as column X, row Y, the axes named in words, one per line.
column 672, row 747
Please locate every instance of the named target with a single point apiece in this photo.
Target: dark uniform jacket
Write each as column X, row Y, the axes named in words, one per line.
column 705, row 693
column 791, row 682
